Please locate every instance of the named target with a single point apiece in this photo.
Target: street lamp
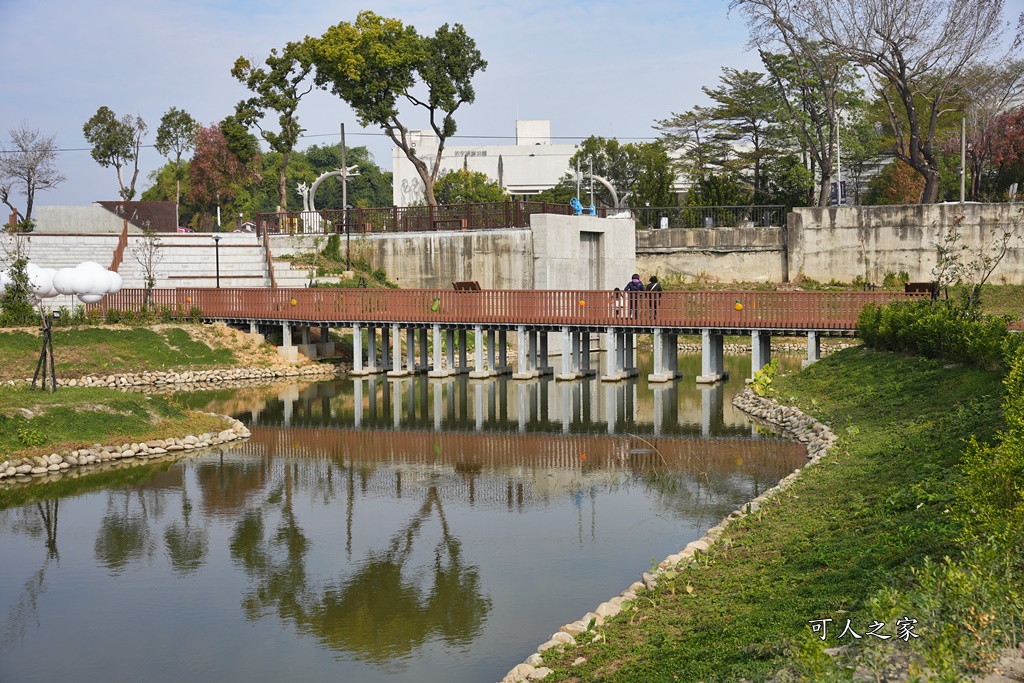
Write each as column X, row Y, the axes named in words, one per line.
column 216, row 250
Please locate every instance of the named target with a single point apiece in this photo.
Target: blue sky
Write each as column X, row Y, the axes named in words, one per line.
column 592, row 68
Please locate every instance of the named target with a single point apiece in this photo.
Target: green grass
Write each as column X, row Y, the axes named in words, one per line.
column 90, row 350
column 40, row 490
column 76, row 417
column 848, row 527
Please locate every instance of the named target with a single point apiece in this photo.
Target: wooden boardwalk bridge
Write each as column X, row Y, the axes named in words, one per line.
column 377, row 318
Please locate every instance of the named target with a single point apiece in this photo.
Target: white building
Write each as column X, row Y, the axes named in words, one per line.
column 531, row 165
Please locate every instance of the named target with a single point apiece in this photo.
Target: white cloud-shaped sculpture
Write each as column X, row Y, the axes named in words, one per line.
column 40, row 281
column 88, row 281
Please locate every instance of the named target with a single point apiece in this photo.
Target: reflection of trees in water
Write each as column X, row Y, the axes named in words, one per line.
column 386, row 608
column 124, row 535
column 186, row 544
column 26, row 608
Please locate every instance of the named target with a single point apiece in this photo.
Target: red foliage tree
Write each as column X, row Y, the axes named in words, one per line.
column 215, row 172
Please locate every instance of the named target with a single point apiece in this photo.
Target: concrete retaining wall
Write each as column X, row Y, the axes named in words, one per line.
column 871, row 241
column 747, row 254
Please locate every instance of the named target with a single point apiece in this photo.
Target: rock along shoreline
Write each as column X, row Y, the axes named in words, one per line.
column 792, row 423
column 89, row 460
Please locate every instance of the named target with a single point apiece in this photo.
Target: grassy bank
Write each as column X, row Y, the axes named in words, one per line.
column 859, row 524
column 38, row 423
column 107, row 350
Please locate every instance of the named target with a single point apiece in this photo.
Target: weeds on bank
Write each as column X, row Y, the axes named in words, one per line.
column 850, row 532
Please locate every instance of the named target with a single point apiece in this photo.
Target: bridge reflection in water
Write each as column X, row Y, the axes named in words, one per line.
column 501, row 404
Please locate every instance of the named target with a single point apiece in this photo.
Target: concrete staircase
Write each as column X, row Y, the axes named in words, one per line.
column 186, row 260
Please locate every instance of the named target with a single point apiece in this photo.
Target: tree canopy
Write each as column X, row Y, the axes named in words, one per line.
column 375, row 62
column 116, row 142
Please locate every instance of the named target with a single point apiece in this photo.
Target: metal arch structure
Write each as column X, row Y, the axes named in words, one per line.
column 309, row 193
column 615, row 195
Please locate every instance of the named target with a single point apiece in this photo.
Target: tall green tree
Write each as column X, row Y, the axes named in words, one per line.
column 371, row 188
column 640, row 172
column 278, row 88
column 693, row 135
column 116, row 142
column 747, row 106
column 375, row 61
column 176, row 135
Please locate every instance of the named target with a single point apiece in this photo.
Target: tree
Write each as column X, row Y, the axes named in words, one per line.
column 897, row 183
column 465, row 187
column 639, row 172
column 694, row 135
column 278, row 88
column 116, row 142
column 372, row 187
column 374, row 61
column 147, row 252
column 216, row 173
column 916, row 54
column 717, row 190
column 177, row 134
column 747, row 107
column 28, row 166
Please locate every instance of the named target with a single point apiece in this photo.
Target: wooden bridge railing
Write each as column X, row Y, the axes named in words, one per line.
column 685, row 309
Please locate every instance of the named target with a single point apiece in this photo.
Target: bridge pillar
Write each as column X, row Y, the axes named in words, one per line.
column 481, row 368
column 712, row 356
column 438, row 370
column 662, row 353
column 760, row 350
column 503, row 367
column 526, row 362
column 357, row 351
column 543, row 366
column 612, row 358
column 385, row 348
column 287, row 350
column 463, row 363
column 410, row 351
column 371, row 350
column 424, row 364
column 396, row 358
column 629, row 355
column 325, row 349
column 449, row 350
column 813, row 348
column 585, row 368
column 570, row 355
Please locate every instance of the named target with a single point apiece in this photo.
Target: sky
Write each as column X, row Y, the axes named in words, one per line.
column 590, row 67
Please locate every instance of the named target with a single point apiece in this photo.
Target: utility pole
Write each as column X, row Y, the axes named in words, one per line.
column 344, row 202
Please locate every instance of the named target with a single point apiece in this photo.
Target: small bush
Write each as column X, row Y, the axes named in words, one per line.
column 195, row 314
column 112, row 317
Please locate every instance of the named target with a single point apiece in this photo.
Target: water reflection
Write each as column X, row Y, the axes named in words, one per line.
column 369, row 526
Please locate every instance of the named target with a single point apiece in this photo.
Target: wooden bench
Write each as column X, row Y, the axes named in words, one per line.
column 466, row 286
column 921, row 288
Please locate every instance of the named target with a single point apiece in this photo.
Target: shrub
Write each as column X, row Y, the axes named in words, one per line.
column 332, row 250
column 112, row 317
column 935, row 329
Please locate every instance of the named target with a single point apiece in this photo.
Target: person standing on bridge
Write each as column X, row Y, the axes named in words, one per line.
column 634, row 287
column 653, row 297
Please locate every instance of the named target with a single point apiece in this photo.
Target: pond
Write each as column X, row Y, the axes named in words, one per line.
column 414, row 530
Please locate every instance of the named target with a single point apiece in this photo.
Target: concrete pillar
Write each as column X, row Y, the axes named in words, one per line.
column 611, row 357
column 542, row 364
column 463, row 364
column 526, row 362
column 357, row 349
column 629, row 364
column 385, row 348
column 410, row 350
column 570, row 352
column 760, row 350
column 437, row 370
column 503, row 366
column 813, row 348
column 371, row 349
column 585, row 368
column 449, row 351
column 660, row 372
column 286, row 334
column 479, row 363
column 424, row 364
column 533, row 351
column 712, row 352
column 254, row 329
column 396, row 355
column 492, row 356
column 304, row 333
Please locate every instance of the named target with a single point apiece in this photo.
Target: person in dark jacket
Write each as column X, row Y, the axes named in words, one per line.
column 654, row 296
column 634, row 287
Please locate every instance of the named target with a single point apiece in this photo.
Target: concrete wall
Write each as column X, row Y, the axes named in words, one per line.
column 747, row 254
column 871, row 241
column 78, row 220
column 558, row 251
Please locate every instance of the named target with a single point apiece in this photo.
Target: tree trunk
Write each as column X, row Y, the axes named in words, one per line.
column 281, row 181
column 931, row 186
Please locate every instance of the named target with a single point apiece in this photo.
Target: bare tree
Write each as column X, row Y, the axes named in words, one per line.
column 147, row 252
column 914, row 52
column 27, row 166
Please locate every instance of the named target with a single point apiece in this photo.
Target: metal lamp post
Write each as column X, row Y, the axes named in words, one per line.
column 216, row 251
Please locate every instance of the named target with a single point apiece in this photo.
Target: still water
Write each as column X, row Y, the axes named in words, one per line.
column 377, row 531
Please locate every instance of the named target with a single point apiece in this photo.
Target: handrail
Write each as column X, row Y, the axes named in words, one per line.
column 122, row 243
column 269, row 258
column 731, row 310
